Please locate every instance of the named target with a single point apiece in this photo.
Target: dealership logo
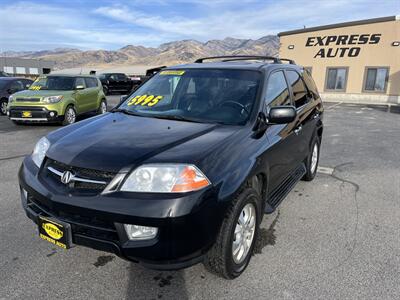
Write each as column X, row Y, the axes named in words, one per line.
column 341, row 40
column 66, row 177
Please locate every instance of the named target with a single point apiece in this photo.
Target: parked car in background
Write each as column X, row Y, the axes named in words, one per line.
column 117, row 83
column 8, row 86
column 4, row 74
column 57, row 98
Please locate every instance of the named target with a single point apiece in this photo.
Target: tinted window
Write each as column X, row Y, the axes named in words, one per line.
column 53, row 83
column 118, row 77
column 80, row 81
column 298, row 88
column 17, row 85
column 310, row 84
column 3, row 83
column 336, row 79
column 222, row 96
column 376, row 79
column 277, row 90
column 91, row 82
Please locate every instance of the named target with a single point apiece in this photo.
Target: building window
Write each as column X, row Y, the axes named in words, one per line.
column 376, row 79
column 336, row 79
column 9, row 70
column 34, row 71
column 20, row 70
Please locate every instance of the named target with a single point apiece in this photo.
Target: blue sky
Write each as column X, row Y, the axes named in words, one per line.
column 100, row 24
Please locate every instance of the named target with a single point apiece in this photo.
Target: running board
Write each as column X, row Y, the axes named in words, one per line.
column 284, row 189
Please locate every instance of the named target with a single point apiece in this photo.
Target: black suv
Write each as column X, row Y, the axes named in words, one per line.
column 184, row 169
column 117, row 83
column 9, row 86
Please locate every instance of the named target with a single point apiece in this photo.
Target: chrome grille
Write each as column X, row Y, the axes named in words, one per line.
column 83, row 179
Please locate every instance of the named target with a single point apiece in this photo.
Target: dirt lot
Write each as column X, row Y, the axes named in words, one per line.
column 335, row 238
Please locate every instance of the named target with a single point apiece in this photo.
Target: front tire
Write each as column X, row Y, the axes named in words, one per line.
column 69, row 116
column 235, row 242
column 3, row 106
column 312, row 160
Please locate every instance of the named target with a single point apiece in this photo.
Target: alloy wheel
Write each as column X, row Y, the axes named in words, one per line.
column 244, row 233
column 103, row 107
column 3, row 107
column 70, row 115
column 314, row 158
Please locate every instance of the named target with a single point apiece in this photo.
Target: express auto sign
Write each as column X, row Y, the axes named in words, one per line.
column 348, row 44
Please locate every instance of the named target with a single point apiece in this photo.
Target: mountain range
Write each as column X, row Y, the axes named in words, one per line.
column 166, row 54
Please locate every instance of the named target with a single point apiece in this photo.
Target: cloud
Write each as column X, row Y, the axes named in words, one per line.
column 250, row 19
column 88, row 25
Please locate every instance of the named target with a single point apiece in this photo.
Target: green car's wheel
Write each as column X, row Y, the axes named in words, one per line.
column 103, row 107
column 69, row 116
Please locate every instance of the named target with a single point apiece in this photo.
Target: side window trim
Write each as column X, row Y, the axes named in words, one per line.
column 291, row 90
column 265, row 105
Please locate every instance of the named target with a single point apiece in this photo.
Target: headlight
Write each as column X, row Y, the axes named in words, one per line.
column 52, row 99
column 40, row 150
column 10, row 98
column 165, row 178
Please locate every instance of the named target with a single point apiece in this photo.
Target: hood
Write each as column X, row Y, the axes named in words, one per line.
column 113, row 141
column 41, row 93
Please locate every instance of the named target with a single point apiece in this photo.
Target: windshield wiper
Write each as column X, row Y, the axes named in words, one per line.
column 176, row 118
column 128, row 112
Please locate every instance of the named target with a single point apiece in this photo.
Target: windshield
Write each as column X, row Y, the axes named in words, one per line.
column 220, row 96
column 3, row 83
column 53, row 83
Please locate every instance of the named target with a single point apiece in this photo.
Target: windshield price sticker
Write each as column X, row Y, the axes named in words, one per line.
column 145, row 100
column 172, row 72
column 35, row 87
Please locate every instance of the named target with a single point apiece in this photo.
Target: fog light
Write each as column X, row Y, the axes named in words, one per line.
column 52, row 114
column 136, row 232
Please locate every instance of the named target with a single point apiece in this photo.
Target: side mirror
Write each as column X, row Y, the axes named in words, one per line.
column 282, row 114
column 123, row 98
column 79, row 87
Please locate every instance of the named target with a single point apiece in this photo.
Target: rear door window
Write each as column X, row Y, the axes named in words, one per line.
column 91, row 82
column 80, row 81
column 300, row 93
column 277, row 92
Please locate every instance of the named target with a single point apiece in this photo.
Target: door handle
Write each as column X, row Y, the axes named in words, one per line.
column 298, row 129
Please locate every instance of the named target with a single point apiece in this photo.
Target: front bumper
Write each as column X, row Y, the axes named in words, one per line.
column 187, row 225
column 38, row 114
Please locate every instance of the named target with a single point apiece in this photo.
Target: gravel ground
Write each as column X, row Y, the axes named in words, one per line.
column 337, row 237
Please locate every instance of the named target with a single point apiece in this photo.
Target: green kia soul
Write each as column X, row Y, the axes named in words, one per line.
column 57, row 98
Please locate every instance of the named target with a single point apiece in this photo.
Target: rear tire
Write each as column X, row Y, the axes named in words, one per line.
column 69, row 116
column 231, row 253
column 312, row 160
column 102, row 108
column 3, row 107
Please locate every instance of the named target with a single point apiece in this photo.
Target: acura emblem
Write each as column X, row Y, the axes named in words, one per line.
column 66, row 177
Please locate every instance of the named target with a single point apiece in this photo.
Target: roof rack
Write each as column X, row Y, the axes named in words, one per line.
column 238, row 57
column 291, row 61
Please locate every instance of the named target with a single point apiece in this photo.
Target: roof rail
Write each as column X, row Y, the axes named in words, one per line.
column 238, row 57
column 291, row 61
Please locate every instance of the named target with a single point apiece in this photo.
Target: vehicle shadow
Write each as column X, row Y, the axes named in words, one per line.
column 150, row 284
